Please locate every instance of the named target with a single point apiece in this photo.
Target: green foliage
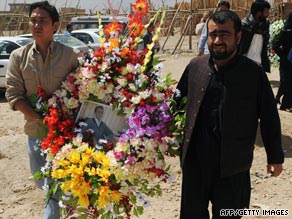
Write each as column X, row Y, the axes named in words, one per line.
column 275, row 29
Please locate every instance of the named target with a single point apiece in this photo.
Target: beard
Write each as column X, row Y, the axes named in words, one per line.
column 221, row 55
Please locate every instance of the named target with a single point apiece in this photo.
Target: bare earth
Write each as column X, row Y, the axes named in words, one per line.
column 19, row 198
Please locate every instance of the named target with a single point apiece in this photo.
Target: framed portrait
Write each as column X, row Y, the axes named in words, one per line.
column 110, row 117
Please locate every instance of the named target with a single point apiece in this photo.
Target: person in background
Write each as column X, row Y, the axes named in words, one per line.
column 69, row 29
column 202, row 45
column 147, row 39
column 282, row 45
column 44, row 62
column 255, row 34
column 222, row 116
column 200, row 26
column 99, row 127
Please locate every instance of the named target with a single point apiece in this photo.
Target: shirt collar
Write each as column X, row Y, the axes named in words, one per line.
column 52, row 47
column 226, row 67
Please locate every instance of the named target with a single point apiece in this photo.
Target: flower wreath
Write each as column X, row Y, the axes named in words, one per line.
column 275, row 29
column 102, row 181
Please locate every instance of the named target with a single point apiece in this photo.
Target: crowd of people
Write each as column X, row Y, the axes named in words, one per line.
column 228, row 95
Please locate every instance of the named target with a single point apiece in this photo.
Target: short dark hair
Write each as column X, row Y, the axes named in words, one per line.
column 224, row 3
column 98, row 107
column 222, row 17
column 259, row 6
column 69, row 26
column 45, row 5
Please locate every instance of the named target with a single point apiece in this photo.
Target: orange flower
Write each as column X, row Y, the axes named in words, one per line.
column 113, row 27
column 141, row 7
column 125, row 51
column 135, row 26
column 114, row 43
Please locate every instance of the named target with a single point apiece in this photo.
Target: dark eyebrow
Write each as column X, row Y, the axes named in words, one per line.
column 220, row 31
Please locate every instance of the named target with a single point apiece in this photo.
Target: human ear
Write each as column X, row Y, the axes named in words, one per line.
column 56, row 26
column 238, row 37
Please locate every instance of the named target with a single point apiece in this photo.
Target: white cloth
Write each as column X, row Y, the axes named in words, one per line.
column 199, row 28
column 255, row 49
column 97, row 122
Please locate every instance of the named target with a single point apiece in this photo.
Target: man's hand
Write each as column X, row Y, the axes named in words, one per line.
column 200, row 53
column 274, row 169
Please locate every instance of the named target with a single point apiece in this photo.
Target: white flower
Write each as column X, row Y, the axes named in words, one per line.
column 177, row 93
column 136, row 99
column 122, row 81
column 71, row 103
column 61, row 204
column 145, row 94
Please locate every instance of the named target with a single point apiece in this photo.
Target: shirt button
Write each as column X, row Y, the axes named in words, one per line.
column 199, row 101
column 209, row 74
column 203, row 89
column 188, row 140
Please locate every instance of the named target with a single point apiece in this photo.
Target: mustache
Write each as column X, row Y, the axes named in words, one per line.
column 217, row 45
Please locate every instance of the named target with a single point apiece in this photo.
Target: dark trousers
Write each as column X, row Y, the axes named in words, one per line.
column 201, row 184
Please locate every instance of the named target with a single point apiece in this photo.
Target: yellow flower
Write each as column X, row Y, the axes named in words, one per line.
column 66, row 186
column 63, row 163
column 85, row 159
column 83, row 201
column 104, row 174
column 101, row 158
column 104, row 196
column 76, row 171
column 116, row 196
column 74, row 157
column 59, row 174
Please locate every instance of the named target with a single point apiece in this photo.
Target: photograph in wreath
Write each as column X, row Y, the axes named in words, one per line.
column 110, row 173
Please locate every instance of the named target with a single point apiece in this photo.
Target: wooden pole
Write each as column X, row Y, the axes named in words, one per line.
column 191, row 26
column 183, row 33
column 171, row 24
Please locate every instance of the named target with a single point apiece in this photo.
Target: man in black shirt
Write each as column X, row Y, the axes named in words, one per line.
column 227, row 94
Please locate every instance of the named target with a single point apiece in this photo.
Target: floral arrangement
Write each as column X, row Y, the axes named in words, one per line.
column 275, row 29
column 107, row 180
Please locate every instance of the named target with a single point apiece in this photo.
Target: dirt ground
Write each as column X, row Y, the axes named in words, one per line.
column 19, row 198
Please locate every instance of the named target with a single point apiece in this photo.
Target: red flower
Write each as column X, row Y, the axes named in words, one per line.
column 41, row 93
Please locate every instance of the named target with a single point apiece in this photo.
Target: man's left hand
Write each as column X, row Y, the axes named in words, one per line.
column 274, row 169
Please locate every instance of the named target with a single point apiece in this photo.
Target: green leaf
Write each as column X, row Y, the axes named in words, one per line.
column 38, row 175
column 83, row 216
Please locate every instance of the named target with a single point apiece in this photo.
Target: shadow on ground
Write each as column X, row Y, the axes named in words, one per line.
column 286, row 143
column 2, row 97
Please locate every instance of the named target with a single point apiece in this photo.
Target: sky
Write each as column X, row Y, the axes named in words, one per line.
column 88, row 4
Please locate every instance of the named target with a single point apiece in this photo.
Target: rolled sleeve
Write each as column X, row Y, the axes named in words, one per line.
column 15, row 89
column 203, row 39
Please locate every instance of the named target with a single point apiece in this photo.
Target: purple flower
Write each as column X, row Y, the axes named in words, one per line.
column 130, row 160
column 151, row 130
column 141, row 111
column 164, row 107
column 164, row 117
column 131, row 133
column 151, row 109
column 160, row 125
column 134, row 121
column 120, row 155
column 124, row 138
column 145, row 119
column 140, row 132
